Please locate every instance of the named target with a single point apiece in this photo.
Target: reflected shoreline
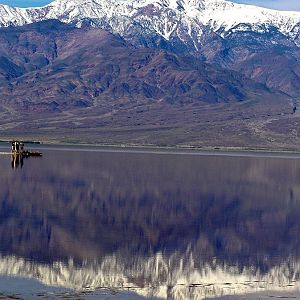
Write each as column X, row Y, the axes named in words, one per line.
column 231, row 152
column 157, row 277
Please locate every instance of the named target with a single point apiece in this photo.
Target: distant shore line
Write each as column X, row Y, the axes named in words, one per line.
column 170, row 148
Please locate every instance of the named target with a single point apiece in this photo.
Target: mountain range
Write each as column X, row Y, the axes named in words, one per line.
column 151, row 72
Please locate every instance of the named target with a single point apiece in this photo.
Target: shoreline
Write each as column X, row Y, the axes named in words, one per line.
column 177, row 149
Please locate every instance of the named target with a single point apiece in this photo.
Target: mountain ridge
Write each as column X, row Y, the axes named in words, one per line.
column 207, row 13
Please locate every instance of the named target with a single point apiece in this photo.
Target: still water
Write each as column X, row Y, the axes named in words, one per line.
column 151, row 225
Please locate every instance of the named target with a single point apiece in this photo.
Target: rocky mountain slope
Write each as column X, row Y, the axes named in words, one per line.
column 208, row 65
column 49, row 62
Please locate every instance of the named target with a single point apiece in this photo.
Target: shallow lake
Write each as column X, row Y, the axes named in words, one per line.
column 110, row 224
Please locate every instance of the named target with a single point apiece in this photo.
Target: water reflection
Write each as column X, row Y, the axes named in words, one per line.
column 169, row 226
column 17, row 161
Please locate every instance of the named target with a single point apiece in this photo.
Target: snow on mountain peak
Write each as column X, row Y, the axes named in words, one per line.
column 166, row 18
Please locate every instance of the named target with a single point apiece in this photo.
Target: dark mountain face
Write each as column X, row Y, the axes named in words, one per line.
column 26, row 49
column 270, row 58
column 263, row 54
column 51, row 62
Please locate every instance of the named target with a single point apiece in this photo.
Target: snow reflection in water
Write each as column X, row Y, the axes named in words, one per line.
column 161, row 225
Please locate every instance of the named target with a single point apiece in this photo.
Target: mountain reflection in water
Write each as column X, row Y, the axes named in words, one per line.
column 176, row 226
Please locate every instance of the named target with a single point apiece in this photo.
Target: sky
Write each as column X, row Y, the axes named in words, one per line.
column 25, row 3
column 276, row 4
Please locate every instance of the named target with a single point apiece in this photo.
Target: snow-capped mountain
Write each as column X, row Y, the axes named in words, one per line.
column 259, row 43
column 238, row 37
column 170, row 19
